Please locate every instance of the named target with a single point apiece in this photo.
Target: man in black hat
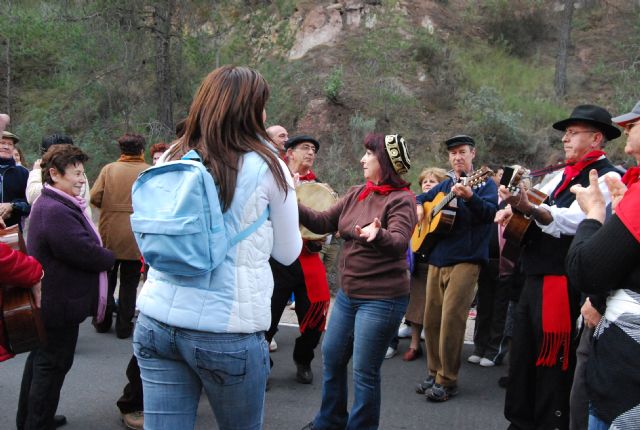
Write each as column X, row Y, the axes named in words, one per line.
column 13, row 182
column 543, row 346
column 454, row 266
column 306, row 277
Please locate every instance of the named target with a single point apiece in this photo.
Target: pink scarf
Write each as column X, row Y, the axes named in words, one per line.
column 102, row 276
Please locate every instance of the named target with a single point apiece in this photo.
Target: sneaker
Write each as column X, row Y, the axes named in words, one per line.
column 390, row 352
column 485, row 362
column 273, row 346
column 425, row 385
column 404, row 331
column 439, row 393
column 134, row 420
column 292, row 306
column 304, row 375
column 474, row 359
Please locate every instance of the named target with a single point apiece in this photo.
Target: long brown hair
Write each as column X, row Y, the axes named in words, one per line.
column 225, row 121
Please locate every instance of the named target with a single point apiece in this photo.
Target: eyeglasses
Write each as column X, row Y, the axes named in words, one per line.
column 306, row 148
column 572, row 133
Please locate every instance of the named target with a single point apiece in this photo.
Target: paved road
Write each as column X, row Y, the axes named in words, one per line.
column 97, row 378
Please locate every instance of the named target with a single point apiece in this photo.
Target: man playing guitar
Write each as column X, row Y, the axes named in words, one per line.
column 543, row 351
column 454, row 265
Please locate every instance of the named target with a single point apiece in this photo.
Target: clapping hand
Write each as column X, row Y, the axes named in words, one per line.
column 590, row 199
column 370, row 231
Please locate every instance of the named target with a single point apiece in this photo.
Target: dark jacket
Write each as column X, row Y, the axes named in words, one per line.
column 376, row 269
column 468, row 242
column 63, row 241
column 13, row 183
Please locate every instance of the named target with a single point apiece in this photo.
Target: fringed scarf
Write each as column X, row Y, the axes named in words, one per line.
column 370, row 187
column 573, row 170
column 315, row 279
column 556, row 322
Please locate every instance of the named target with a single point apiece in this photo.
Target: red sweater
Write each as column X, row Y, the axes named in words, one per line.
column 19, row 270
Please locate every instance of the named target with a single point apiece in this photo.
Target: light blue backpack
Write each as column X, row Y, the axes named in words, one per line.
column 177, row 220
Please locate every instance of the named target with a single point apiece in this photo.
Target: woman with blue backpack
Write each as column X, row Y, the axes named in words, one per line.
column 202, row 318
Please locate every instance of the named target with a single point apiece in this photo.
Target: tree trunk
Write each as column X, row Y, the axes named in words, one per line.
column 560, row 81
column 163, row 16
column 7, row 59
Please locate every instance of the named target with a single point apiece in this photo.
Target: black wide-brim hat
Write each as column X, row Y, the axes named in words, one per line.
column 300, row 139
column 597, row 116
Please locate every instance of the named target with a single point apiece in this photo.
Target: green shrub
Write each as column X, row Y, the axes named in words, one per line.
column 333, row 85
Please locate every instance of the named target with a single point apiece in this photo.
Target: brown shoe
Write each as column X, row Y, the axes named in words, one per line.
column 134, row 420
column 412, row 354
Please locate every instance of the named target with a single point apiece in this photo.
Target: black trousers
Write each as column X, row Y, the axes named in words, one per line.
column 44, row 373
column 129, row 279
column 288, row 279
column 537, row 397
column 493, row 300
column 579, row 395
column 132, row 398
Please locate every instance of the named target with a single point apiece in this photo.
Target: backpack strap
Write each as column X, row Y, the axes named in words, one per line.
column 251, row 229
column 193, row 155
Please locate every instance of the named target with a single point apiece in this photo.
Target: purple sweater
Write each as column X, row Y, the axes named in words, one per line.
column 64, row 242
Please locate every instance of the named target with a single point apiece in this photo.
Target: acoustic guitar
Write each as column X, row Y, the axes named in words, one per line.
column 440, row 214
column 22, row 321
column 517, row 227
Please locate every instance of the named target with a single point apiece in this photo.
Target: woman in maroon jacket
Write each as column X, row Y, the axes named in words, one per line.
column 67, row 244
column 376, row 221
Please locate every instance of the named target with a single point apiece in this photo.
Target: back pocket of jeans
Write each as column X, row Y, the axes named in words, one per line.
column 224, row 368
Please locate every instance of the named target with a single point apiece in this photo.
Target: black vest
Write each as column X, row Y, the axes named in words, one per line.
column 544, row 254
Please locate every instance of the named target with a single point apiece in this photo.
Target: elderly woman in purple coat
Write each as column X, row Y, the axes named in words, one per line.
column 67, row 244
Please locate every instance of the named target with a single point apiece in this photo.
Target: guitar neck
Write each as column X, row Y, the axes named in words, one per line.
column 444, row 202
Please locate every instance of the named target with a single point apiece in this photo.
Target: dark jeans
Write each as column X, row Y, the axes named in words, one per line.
column 493, row 301
column 537, row 396
column 579, row 399
column 132, row 399
column 288, row 279
column 44, row 373
column 129, row 279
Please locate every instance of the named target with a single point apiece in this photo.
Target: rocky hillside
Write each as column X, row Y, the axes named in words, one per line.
column 338, row 69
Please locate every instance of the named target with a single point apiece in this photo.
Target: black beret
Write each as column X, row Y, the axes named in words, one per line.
column 458, row 140
column 300, row 139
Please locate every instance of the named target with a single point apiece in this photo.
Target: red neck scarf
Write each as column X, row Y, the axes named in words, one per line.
column 308, row 177
column 379, row 189
column 556, row 322
column 573, row 170
column 631, row 176
column 627, row 210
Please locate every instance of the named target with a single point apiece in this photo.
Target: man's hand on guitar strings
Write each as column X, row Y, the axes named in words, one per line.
column 465, row 192
column 503, row 216
column 370, row 231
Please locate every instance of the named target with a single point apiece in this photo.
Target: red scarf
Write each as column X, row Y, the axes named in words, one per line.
column 556, row 322
column 315, row 280
column 628, row 208
column 380, row 189
column 308, row 177
column 631, row 176
column 573, row 170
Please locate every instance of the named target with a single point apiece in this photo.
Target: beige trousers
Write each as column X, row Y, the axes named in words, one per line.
column 450, row 291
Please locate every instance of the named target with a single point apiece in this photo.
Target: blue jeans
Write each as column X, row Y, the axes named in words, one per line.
column 596, row 423
column 360, row 328
column 175, row 364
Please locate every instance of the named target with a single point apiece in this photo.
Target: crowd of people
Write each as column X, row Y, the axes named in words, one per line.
column 562, row 301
